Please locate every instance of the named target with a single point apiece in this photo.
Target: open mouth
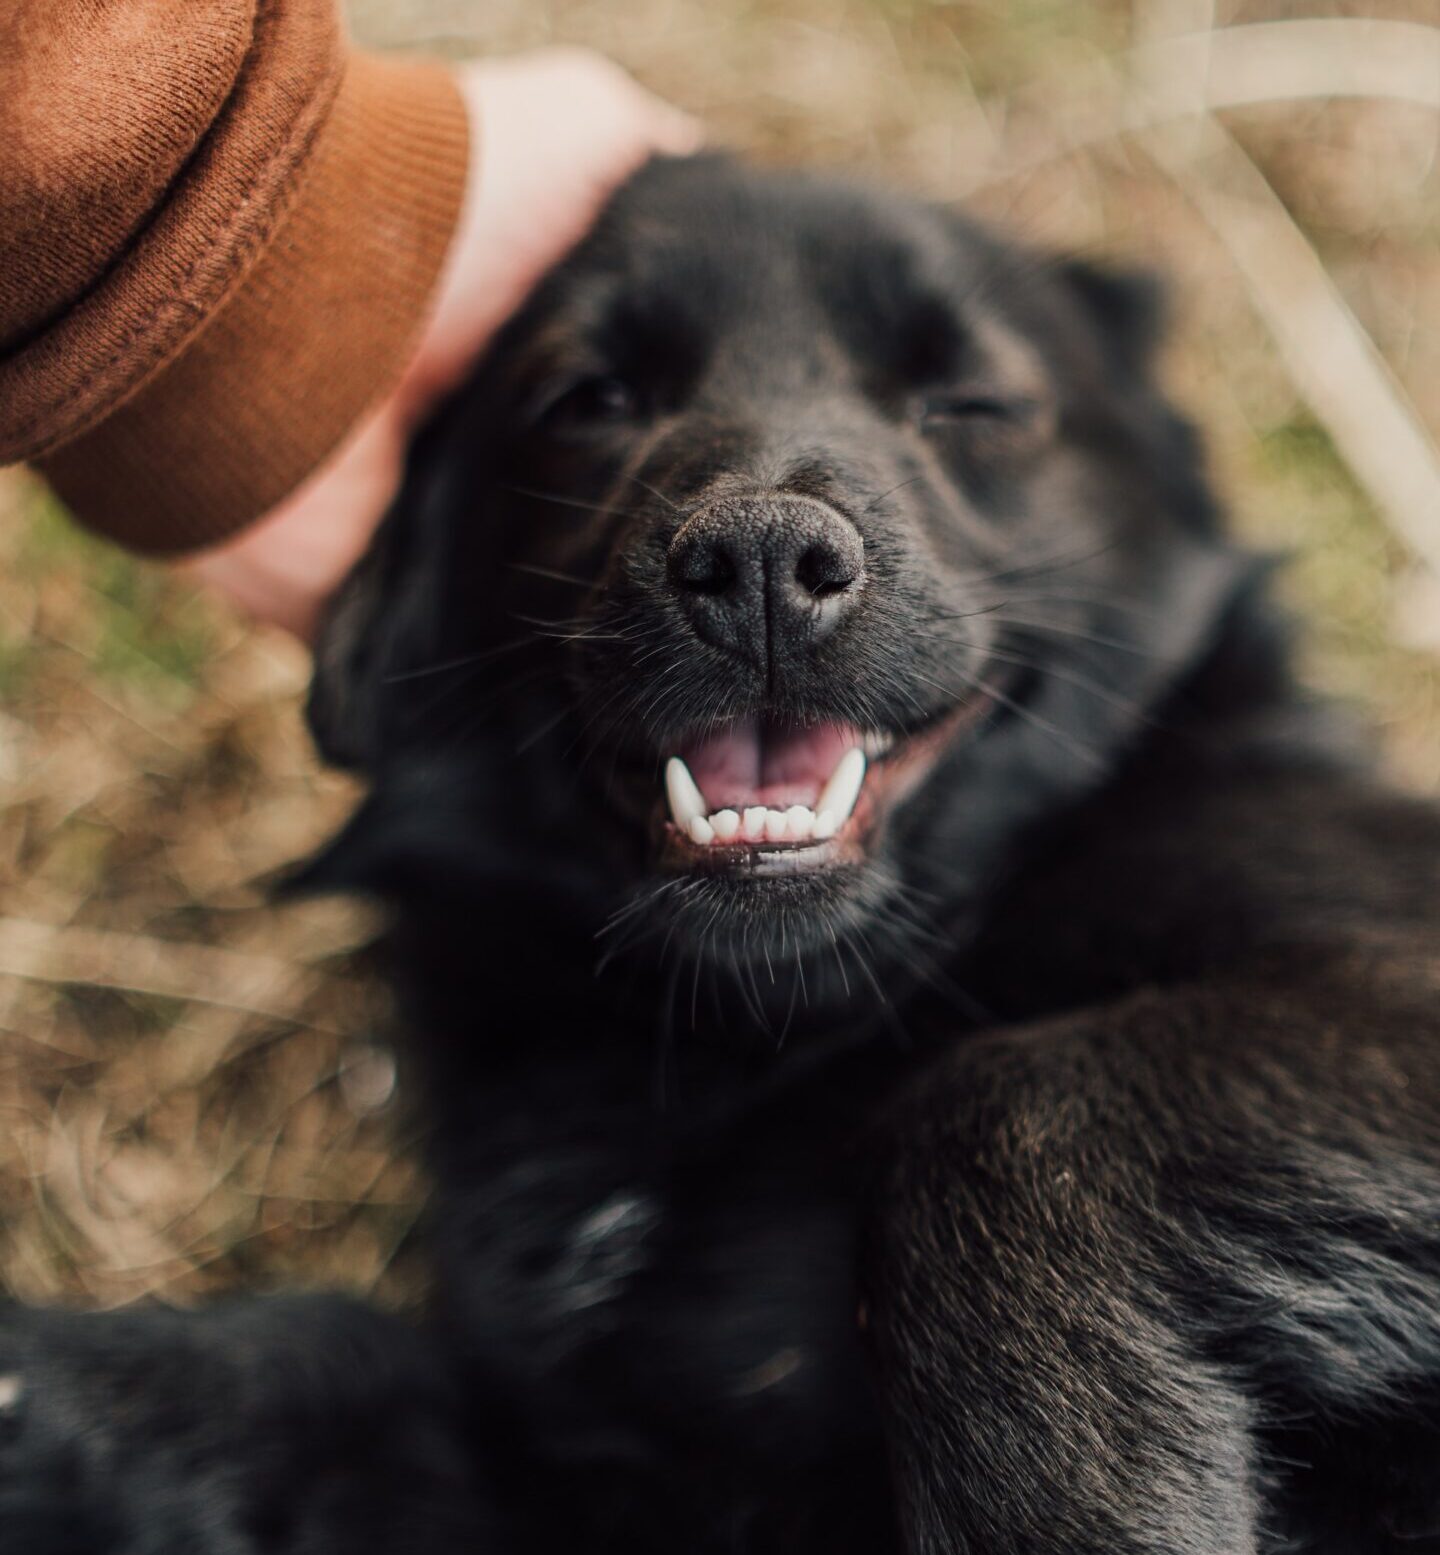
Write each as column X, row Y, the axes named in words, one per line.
column 764, row 797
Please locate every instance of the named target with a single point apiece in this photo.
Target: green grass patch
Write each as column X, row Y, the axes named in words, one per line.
column 146, row 633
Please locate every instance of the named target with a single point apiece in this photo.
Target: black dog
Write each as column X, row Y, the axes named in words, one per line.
column 1007, row 1118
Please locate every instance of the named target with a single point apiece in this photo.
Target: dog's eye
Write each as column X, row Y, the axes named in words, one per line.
column 948, row 408
column 590, row 402
column 983, row 426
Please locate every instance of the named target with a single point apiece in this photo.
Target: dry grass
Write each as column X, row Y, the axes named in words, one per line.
column 195, row 1084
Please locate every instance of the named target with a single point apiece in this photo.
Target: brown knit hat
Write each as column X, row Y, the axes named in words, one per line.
column 259, row 294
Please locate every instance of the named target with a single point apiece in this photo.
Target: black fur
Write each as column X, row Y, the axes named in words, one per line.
column 1062, row 1175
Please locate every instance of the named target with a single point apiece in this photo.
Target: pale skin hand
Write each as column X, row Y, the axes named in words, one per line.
column 556, row 131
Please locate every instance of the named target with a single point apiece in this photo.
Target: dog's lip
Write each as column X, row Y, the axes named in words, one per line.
column 891, row 776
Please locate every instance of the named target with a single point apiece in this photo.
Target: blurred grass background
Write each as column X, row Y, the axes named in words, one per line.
column 195, row 1086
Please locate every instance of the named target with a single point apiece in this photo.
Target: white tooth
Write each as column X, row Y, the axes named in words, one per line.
column 753, row 823
column 876, row 743
column 775, row 826
column 800, row 822
column 686, row 800
column 726, row 824
column 843, row 789
column 700, row 830
column 825, row 825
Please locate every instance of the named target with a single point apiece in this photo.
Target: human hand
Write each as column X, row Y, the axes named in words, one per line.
column 555, row 131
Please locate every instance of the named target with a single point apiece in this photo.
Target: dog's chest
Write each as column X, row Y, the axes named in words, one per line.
column 640, row 1296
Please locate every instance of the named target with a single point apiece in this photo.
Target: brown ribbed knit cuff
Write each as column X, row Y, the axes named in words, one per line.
column 321, row 326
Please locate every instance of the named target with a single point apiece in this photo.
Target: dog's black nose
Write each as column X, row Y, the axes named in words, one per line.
column 765, row 577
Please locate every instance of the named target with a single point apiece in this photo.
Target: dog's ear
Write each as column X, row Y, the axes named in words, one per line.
column 1127, row 307
column 384, row 621
column 357, row 638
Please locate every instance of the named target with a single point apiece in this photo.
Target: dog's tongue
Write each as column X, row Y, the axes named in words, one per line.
column 751, row 762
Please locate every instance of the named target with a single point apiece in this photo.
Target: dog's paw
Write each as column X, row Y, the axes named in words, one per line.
column 99, row 1451
column 280, row 1427
column 42, row 1505
column 56, row 1496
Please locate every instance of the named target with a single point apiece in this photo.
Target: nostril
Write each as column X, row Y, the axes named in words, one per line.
column 704, row 569
column 823, row 572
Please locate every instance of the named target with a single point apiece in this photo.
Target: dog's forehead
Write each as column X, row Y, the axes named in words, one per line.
column 729, row 243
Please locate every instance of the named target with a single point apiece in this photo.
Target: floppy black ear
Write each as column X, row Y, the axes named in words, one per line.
column 367, row 630
column 385, row 619
column 1128, row 308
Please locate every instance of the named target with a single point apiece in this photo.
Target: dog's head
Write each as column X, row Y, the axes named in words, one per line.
column 792, row 553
